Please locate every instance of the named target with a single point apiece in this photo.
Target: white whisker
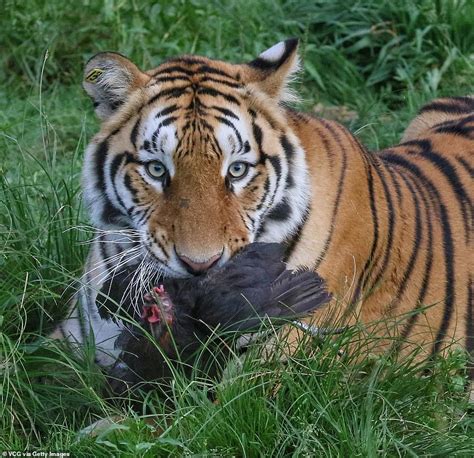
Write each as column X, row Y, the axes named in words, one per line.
column 102, row 276
column 123, row 258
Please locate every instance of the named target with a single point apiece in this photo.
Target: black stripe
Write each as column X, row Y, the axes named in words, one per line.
column 160, row 245
column 134, row 133
column 275, row 161
column 266, row 191
column 174, row 68
column 276, row 164
column 167, row 111
column 170, row 79
column 231, row 125
column 257, row 134
column 469, row 168
column 447, row 169
column 287, row 148
column 128, row 184
column 204, row 90
column 154, row 138
column 298, row 116
column 252, row 222
column 425, row 282
column 331, row 155
column 391, row 224
column 369, row 264
column 289, row 151
column 207, row 69
column 215, row 146
column 167, row 121
column 457, row 129
column 231, row 84
column 448, row 245
column 281, row 211
column 257, row 174
column 202, row 123
column 176, row 91
column 114, row 104
column 116, row 163
column 462, row 105
column 109, row 214
column 340, row 187
column 294, row 239
column 224, row 111
column 416, row 246
column 461, row 121
column 100, row 156
column 146, row 213
column 419, row 304
column 130, row 159
column 139, row 215
column 202, row 69
column 396, row 184
column 190, row 60
column 228, row 184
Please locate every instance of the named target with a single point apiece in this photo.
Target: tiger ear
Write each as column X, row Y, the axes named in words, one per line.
column 275, row 68
column 109, row 78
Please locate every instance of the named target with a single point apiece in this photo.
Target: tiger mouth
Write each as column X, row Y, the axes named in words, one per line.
column 166, row 269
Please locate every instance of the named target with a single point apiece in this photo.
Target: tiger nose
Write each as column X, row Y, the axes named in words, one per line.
column 196, row 267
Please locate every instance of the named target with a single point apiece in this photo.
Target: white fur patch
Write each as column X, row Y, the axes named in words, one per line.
column 85, row 322
column 275, row 53
column 164, row 138
column 297, row 197
column 234, row 149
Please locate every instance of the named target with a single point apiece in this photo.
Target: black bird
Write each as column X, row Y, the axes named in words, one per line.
column 184, row 314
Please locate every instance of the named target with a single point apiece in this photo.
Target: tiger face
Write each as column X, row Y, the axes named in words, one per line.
column 195, row 156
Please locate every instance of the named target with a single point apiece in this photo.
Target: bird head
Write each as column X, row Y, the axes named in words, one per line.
column 158, row 313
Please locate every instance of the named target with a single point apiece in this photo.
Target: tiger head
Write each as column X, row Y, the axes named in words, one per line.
column 196, row 156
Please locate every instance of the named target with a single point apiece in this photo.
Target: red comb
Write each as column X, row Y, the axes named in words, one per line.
column 160, row 290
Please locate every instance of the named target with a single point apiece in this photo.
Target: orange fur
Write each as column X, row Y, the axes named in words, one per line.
column 353, row 233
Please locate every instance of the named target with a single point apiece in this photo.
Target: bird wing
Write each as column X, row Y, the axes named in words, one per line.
column 290, row 295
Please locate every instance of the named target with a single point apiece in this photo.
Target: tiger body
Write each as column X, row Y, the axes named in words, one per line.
column 394, row 237
column 197, row 158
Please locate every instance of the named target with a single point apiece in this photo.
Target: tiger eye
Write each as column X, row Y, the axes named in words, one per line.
column 156, row 169
column 238, row 170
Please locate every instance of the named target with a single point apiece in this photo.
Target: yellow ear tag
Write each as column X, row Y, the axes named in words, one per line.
column 93, row 75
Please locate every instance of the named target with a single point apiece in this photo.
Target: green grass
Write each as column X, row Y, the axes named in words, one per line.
column 379, row 58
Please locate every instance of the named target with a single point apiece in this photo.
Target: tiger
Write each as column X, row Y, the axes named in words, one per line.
column 198, row 157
